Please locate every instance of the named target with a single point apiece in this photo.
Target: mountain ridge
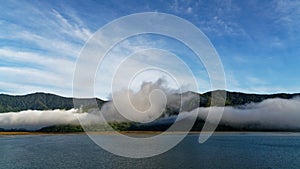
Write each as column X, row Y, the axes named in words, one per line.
column 37, row 101
column 49, row 101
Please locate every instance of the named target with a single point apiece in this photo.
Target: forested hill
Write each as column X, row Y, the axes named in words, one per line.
column 238, row 98
column 46, row 101
column 36, row 101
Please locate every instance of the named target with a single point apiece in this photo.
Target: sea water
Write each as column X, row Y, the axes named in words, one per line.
column 222, row 150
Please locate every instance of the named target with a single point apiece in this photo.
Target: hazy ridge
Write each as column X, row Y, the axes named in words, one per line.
column 47, row 101
column 243, row 112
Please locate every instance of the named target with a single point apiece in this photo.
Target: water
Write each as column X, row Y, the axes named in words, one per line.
column 252, row 150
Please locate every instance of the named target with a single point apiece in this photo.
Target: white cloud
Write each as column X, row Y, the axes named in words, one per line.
column 53, row 45
column 286, row 14
column 36, row 119
column 33, row 76
column 50, row 63
column 189, row 10
column 145, row 65
column 268, row 114
column 255, row 81
column 76, row 30
column 42, row 51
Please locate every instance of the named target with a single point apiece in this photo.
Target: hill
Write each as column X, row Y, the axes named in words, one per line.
column 47, row 101
column 36, row 101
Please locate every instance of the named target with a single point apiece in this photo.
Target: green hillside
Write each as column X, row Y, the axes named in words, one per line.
column 46, row 101
column 37, row 101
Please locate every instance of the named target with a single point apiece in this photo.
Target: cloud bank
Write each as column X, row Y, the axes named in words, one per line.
column 145, row 105
column 268, row 114
column 36, row 119
column 149, row 105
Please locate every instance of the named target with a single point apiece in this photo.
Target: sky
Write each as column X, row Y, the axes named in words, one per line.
column 257, row 42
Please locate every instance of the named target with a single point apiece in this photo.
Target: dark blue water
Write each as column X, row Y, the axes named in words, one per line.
column 230, row 151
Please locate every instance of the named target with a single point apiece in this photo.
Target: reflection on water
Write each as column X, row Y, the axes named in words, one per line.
column 235, row 150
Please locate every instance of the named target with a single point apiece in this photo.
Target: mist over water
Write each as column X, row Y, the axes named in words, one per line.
column 149, row 103
column 36, row 119
column 268, row 114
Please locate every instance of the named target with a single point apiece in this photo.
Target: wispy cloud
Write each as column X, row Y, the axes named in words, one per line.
column 134, row 55
column 287, row 12
column 216, row 18
column 48, row 37
column 46, row 62
column 43, row 50
column 33, row 76
column 54, row 45
column 76, row 30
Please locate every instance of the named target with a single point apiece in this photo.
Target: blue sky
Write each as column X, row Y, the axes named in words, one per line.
column 257, row 41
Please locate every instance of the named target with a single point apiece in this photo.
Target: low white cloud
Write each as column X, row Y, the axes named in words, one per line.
column 36, row 119
column 268, row 114
column 145, row 105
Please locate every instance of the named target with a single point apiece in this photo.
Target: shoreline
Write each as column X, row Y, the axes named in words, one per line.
column 136, row 132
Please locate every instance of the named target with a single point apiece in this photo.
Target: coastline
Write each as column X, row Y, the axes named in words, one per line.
column 140, row 132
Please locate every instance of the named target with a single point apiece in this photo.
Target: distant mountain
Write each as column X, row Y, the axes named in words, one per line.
column 47, row 101
column 232, row 99
column 237, row 98
column 36, row 101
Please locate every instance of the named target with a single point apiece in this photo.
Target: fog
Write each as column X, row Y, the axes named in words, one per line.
column 268, row 114
column 149, row 103
column 143, row 106
column 36, row 119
